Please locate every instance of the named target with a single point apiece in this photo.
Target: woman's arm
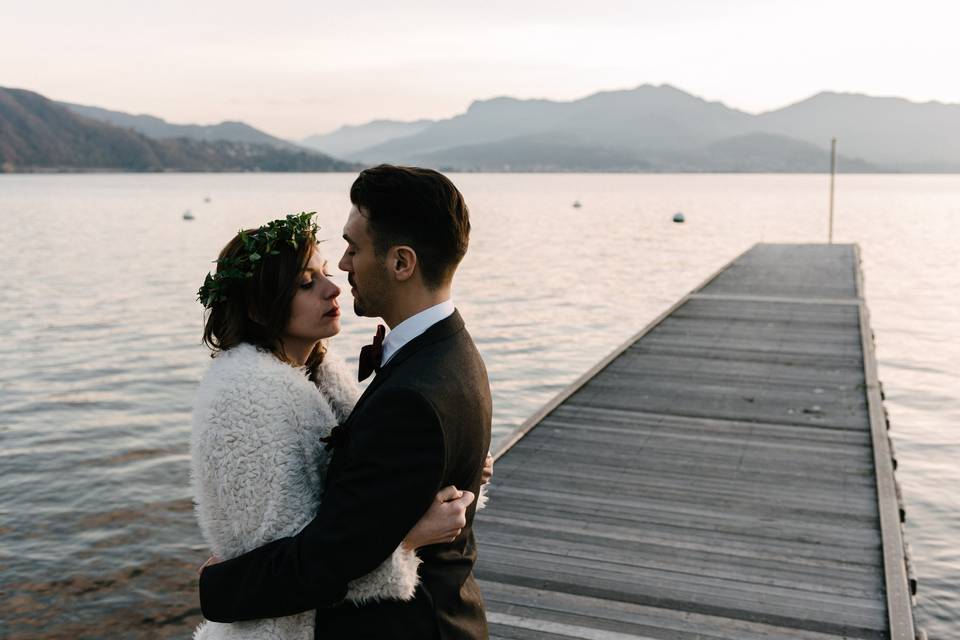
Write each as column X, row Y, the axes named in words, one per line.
column 487, row 475
column 248, row 475
column 443, row 521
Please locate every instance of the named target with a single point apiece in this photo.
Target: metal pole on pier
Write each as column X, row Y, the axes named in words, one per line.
column 833, row 174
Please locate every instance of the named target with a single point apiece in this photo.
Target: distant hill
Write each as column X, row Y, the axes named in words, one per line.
column 350, row 139
column 37, row 134
column 536, row 152
column 661, row 128
column 154, row 127
column 553, row 152
column 764, row 152
column 892, row 132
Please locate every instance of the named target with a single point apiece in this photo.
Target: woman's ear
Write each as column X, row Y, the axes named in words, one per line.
column 401, row 262
column 254, row 316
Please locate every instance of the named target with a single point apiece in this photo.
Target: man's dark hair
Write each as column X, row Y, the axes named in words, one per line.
column 417, row 207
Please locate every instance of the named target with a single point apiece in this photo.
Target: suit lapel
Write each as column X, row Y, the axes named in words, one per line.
column 378, row 379
column 443, row 329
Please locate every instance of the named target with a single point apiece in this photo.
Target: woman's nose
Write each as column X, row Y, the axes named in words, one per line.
column 332, row 289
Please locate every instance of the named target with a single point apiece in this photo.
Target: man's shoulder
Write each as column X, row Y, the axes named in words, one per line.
column 451, row 354
column 446, row 374
column 442, row 368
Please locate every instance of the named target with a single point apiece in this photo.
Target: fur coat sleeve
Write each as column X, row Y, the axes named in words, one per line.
column 258, row 469
column 338, row 383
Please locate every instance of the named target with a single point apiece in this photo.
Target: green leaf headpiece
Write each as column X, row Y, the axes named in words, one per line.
column 256, row 246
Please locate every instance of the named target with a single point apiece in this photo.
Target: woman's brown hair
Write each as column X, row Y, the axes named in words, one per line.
column 256, row 309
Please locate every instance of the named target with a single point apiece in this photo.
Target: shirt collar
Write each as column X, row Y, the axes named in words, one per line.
column 414, row 326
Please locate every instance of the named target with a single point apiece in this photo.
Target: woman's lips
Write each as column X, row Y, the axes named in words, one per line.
column 333, row 313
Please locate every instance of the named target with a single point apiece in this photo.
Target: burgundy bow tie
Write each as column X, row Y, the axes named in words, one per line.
column 371, row 354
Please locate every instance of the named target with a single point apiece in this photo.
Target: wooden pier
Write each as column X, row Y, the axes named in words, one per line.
column 726, row 473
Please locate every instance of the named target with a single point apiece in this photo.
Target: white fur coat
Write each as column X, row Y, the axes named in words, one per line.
column 258, row 468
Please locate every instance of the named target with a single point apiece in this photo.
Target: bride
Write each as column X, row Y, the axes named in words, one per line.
column 272, row 394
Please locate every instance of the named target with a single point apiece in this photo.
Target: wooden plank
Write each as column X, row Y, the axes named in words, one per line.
column 560, row 629
column 748, row 544
column 838, row 539
column 704, row 596
column 645, row 437
column 725, row 597
column 775, row 572
column 591, row 417
column 639, row 439
column 691, row 514
column 743, row 497
column 657, row 622
column 694, row 461
column 749, row 298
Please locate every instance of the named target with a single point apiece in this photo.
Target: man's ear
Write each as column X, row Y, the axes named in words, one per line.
column 401, row 262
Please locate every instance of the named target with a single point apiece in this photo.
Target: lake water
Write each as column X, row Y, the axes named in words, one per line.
column 101, row 354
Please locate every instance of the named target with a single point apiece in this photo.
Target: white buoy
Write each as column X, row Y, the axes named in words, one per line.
column 187, row 215
column 576, row 204
column 678, row 217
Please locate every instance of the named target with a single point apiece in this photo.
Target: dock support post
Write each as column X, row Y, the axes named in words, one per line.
column 833, row 174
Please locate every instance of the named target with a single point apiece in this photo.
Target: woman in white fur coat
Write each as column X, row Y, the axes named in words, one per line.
column 271, row 393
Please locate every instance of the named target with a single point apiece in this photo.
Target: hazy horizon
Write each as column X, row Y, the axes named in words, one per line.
column 296, row 69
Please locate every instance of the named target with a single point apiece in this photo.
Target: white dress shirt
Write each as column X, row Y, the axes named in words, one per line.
column 413, row 327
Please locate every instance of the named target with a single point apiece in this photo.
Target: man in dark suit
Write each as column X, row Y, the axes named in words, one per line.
column 423, row 423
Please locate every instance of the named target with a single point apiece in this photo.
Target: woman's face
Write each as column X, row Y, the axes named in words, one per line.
column 315, row 312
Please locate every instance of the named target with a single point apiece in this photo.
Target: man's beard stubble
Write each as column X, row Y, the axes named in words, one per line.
column 359, row 306
column 375, row 299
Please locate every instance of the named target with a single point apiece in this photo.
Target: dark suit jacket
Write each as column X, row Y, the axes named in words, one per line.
column 422, row 424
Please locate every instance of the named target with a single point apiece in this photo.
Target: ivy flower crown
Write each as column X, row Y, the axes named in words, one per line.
column 256, row 245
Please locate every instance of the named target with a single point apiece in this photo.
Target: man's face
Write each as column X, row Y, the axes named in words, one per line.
column 366, row 274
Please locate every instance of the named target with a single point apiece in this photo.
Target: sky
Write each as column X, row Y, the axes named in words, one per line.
column 295, row 68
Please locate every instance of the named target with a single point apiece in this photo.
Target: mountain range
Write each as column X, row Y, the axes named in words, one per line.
column 349, row 139
column 37, row 134
column 648, row 128
column 154, row 127
column 661, row 128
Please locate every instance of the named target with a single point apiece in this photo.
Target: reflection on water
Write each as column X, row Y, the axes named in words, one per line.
column 101, row 353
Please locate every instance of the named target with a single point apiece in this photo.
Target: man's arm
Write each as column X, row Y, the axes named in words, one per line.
column 394, row 466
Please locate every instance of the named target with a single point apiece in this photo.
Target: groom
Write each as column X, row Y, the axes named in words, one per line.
column 423, row 423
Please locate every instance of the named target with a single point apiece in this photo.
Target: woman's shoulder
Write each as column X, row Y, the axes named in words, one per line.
column 248, row 362
column 249, row 373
